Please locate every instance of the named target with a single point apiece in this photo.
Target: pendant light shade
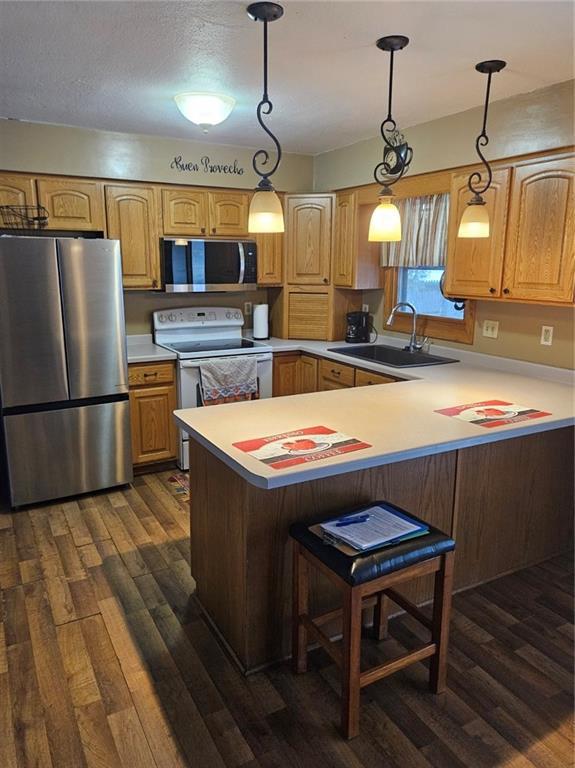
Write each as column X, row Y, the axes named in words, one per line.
column 385, row 224
column 475, row 219
column 265, row 213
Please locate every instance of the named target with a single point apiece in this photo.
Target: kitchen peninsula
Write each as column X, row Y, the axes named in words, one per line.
column 504, row 493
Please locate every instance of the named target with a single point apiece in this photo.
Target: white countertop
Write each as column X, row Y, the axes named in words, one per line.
column 397, row 420
column 141, row 349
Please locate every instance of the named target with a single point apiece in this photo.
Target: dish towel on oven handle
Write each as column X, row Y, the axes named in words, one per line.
column 229, row 380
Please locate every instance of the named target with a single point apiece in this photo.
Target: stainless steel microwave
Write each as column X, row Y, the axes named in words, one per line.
column 190, row 266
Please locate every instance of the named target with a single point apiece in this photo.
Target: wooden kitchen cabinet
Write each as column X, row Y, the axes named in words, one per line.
column 540, row 253
column 228, row 213
column 356, row 261
column 17, row 189
column 308, row 315
column 132, row 216
column 152, row 402
column 308, row 368
column 270, row 258
column 370, row 378
column 474, row 266
column 335, row 375
column 184, row 211
column 530, row 255
column 309, row 239
column 76, row 204
column 286, row 374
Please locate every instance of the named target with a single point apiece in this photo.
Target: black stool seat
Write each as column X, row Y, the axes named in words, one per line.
column 360, row 568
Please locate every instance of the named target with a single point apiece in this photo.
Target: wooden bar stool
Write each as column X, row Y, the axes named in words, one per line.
column 371, row 577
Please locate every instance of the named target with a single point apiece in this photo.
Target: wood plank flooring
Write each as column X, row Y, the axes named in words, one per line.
column 106, row 661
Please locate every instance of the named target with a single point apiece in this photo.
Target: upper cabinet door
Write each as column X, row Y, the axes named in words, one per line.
column 540, row 259
column 72, row 203
column 132, row 213
column 16, row 190
column 345, row 243
column 474, row 266
column 229, row 213
column 309, row 236
column 185, row 212
column 270, row 258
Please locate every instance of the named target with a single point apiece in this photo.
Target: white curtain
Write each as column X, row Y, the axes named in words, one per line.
column 423, row 233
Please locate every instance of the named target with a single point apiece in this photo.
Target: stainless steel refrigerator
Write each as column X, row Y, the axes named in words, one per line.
column 63, row 371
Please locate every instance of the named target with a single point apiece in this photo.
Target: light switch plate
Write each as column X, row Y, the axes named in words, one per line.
column 547, row 335
column 365, row 307
column 491, row 328
column 247, row 307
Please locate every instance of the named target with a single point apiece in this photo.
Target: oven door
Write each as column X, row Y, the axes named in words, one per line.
column 190, row 396
column 200, row 266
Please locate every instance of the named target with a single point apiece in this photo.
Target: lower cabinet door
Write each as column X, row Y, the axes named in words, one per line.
column 154, row 434
column 286, row 374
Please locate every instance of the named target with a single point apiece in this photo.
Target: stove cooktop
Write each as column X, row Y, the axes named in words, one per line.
column 210, row 346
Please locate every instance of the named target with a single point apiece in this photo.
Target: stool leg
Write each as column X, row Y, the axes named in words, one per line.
column 380, row 614
column 441, row 617
column 300, row 607
column 350, row 667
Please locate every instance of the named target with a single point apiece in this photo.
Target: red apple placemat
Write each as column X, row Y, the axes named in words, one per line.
column 492, row 413
column 300, row 446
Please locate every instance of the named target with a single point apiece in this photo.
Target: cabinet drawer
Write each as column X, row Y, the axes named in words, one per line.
column 369, row 378
column 340, row 374
column 150, row 373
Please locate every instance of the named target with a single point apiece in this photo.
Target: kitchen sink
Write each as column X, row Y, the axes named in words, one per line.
column 397, row 358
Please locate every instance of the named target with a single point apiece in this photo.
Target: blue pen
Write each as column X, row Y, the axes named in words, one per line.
column 351, row 520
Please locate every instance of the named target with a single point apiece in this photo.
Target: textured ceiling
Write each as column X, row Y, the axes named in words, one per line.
column 117, row 65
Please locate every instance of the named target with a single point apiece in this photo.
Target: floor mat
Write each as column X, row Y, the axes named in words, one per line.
column 180, row 482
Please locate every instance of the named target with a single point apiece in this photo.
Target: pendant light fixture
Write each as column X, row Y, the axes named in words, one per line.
column 475, row 219
column 385, row 224
column 265, row 213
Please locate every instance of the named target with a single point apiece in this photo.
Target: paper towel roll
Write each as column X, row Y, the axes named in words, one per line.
column 261, row 329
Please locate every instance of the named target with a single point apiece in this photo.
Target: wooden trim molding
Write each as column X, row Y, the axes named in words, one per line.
column 427, row 325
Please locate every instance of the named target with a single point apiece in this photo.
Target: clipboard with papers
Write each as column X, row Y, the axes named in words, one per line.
column 369, row 527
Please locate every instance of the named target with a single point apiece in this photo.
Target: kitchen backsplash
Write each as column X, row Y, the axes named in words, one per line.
column 139, row 305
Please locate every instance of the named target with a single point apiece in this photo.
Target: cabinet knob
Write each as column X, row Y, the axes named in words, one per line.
column 325, row 280
column 213, row 230
column 203, row 230
column 506, row 291
column 492, row 290
column 154, row 283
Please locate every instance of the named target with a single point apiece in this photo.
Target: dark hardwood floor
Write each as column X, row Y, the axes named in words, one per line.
column 105, row 661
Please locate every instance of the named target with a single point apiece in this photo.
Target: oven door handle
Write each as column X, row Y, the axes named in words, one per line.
column 242, row 262
column 261, row 357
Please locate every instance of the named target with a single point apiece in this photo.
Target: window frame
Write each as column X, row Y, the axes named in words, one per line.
column 445, row 328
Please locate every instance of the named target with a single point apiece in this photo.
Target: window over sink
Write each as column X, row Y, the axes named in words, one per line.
column 414, row 268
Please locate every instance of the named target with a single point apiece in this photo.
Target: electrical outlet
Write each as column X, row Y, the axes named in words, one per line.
column 491, row 328
column 247, row 307
column 365, row 307
column 547, row 335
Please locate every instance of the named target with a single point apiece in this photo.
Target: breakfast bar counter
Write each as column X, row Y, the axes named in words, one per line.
column 505, row 493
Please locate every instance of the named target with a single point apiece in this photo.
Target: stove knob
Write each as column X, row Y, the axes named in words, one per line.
column 237, row 315
column 228, row 315
column 161, row 318
column 171, row 317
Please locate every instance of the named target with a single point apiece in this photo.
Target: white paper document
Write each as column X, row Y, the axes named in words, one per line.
column 380, row 526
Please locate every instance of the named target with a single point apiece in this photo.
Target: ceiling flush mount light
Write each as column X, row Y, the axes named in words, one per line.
column 266, row 213
column 475, row 219
column 205, row 109
column 385, row 224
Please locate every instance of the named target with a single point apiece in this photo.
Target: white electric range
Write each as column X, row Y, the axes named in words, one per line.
column 197, row 334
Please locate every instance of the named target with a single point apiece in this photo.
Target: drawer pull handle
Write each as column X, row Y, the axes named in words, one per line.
column 335, row 373
column 153, row 375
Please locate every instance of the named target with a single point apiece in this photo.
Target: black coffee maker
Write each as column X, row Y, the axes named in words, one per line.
column 358, row 327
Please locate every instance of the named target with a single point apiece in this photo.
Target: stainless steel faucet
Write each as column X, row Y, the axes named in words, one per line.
column 413, row 345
